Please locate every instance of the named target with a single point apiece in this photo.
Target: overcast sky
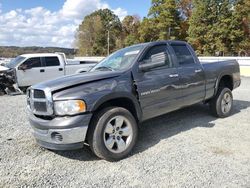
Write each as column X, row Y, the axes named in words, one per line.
column 54, row 22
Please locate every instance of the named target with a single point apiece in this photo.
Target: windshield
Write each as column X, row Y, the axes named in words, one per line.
column 13, row 63
column 119, row 60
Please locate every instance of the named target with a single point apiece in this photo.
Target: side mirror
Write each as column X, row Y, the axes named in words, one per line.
column 23, row 67
column 157, row 60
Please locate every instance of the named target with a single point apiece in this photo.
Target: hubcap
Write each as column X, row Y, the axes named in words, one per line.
column 226, row 103
column 118, row 134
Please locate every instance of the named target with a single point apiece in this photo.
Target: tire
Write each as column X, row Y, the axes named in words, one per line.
column 113, row 133
column 221, row 105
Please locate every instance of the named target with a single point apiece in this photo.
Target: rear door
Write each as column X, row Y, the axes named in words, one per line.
column 157, row 87
column 30, row 72
column 53, row 69
column 192, row 77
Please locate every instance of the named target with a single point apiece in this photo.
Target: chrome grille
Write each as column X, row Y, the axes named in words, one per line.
column 40, row 101
column 40, row 106
column 39, row 94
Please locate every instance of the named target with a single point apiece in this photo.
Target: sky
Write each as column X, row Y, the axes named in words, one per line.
column 54, row 22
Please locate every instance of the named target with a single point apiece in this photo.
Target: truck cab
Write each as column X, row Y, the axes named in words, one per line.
column 35, row 68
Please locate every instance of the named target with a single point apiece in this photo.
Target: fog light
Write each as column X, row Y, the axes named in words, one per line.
column 56, row 137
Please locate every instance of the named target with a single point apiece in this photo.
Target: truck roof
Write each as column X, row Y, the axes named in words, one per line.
column 39, row 55
column 168, row 41
column 161, row 42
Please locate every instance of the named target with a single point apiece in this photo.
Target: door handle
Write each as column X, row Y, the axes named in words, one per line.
column 60, row 69
column 173, row 75
column 197, row 70
column 42, row 70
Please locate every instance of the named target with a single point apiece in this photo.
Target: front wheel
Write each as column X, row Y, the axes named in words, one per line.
column 113, row 133
column 221, row 105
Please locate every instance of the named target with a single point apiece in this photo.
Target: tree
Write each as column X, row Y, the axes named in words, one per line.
column 92, row 34
column 240, row 27
column 217, row 26
column 221, row 28
column 163, row 21
column 185, row 8
column 88, row 34
column 130, row 26
column 147, row 31
column 198, row 22
column 166, row 17
column 208, row 26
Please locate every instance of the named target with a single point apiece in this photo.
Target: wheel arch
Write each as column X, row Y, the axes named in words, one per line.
column 225, row 80
column 125, row 100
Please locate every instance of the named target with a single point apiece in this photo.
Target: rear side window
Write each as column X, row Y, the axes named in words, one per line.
column 51, row 61
column 32, row 62
column 157, row 53
column 183, row 54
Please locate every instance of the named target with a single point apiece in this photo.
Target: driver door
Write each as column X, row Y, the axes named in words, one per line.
column 30, row 72
column 158, row 87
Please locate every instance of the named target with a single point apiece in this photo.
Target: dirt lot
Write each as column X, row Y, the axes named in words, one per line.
column 187, row 148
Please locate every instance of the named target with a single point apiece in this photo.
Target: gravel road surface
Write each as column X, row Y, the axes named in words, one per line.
column 187, row 148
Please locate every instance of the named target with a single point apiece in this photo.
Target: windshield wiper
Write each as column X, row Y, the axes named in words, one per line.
column 104, row 67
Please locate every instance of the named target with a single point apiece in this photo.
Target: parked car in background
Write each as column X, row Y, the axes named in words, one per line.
column 3, row 60
column 29, row 69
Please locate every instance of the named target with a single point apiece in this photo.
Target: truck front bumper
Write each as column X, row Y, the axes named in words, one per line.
column 60, row 133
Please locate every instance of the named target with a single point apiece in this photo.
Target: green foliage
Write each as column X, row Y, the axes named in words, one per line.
column 92, row 34
column 216, row 26
column 212, row 26
column 163, row 22
column 240, row 27
column 130, row 27
column 185, row 8
column 147, row 31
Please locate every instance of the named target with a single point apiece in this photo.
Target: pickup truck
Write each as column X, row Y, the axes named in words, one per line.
column 30, row 69
column 104, row 107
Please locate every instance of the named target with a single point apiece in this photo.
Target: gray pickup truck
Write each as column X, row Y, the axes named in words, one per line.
column 103, row 107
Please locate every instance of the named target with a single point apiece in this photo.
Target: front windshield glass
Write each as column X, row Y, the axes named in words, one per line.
column 119, row 60
column 13, row 63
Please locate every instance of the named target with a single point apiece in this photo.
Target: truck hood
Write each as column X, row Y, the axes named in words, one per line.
column 76, row 79
column 3, row 69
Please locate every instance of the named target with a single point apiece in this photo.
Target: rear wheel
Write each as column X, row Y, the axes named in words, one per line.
column 221, row 105
column 113, row 133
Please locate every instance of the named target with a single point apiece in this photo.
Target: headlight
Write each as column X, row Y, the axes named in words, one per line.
column 69, row 107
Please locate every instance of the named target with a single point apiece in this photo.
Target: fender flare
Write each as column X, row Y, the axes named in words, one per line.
column 117, row 95
column 219, row 79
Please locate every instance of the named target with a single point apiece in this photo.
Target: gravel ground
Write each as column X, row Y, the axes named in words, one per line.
column 187, row 148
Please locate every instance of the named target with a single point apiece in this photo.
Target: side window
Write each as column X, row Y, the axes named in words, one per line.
column 32, row 63
column 51, row 61
column 157, row 53
column 183, row 54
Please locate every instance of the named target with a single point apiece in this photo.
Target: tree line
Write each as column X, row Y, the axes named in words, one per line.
column 13, row 51
column 212, row 27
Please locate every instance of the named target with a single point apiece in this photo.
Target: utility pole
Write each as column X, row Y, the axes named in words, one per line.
column 108, row 42
column 169, row 33
column 109, row 27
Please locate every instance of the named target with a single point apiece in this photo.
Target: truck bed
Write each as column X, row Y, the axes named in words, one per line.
column 213, row 71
